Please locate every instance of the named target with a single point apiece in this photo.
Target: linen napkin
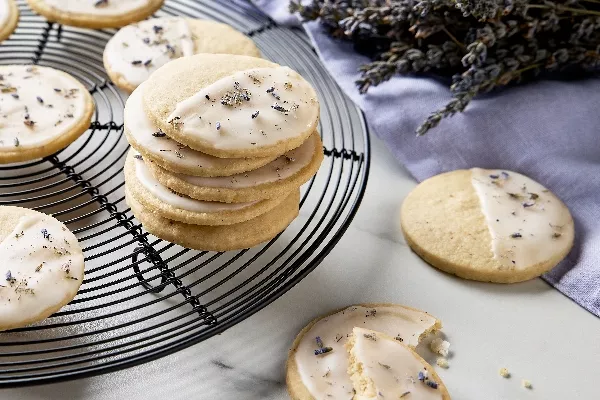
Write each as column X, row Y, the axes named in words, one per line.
column 547, row 130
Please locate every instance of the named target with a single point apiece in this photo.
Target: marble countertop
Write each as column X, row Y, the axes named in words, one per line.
column 529, row 328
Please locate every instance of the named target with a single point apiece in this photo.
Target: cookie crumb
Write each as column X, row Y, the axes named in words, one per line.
column 442, row 362
column 440, row 346
column 526, row 384
column 504, row 373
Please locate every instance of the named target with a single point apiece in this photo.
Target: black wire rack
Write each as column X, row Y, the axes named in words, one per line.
column 143, row 298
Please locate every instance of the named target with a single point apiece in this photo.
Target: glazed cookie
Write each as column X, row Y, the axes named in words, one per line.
column 164, row 202
column 377, row 361
column 139, row 49
column 318, row 368
column 157, row 147
column 95, row 14
column 232, row 106
column 42, row 266
column 9, row 17
column 44, row 110
column 487, row 225
column 283, row 175
column 219, row 238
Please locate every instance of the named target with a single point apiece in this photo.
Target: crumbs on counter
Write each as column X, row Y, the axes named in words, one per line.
column 440, row 346
column 504, row 373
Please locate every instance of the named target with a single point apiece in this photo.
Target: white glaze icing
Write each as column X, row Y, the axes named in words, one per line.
column 528, row 224
column 326, row 376
column 233, row 126
column 95, row 7
column 137, row 50
column 37, row 105
column 140, row 127
column 42, row 266
column 164, row 194
column 391, row 367
column 4, row 12
column 281, row 168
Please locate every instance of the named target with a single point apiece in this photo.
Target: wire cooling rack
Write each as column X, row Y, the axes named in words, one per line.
column 144, row 298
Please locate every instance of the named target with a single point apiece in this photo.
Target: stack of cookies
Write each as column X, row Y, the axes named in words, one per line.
column 221, row 145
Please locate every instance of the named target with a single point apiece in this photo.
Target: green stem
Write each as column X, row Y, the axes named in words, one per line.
column 453, row 38
column 562, row 8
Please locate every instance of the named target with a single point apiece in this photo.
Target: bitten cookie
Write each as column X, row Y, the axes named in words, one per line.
column 317, row 365
column 276, row 179
column 95, row 14
column 487, row 225
column 157, row 147
column 44, row 110
column 9, row 17
column 139, row 49
column 219, row 238
column 168, row 204
column 378, row 363
column 42, row 266
column 232, row 106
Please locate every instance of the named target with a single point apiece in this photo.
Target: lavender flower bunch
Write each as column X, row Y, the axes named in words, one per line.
column 479, row 44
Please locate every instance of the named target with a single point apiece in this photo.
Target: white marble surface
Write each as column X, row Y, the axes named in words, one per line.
column 530, row 328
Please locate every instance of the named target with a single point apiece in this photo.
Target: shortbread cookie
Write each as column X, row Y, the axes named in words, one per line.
column 9, row 17
column 157, row 147
column 318, row 369
column 381, row 367
column 139, row 49
column 42, row 266
column 487, row 225
column 95, row 14
column 43, row 111
column 232, row 106
column 164, row 202
column 276, row 179
column 219, row 238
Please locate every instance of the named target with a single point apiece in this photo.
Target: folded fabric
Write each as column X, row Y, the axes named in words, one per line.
column 548, row 130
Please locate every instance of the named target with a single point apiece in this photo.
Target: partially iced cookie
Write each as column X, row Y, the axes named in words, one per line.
column 318, row 361
column 487, row 225
column 139, row 49
column 42, row 266
column 381, row 367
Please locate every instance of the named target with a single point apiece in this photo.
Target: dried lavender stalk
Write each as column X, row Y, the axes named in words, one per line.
column 480, row 44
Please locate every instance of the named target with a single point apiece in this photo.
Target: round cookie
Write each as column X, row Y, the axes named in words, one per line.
column 155, row 146
column 9, row 17
column 95, row 14
column 283, row 175
column 219, row 238
column 232, row 106
column 139, row 49
column 42, row 268
column 404, row 323
column 44, row 110
column 160, row 200
column 487, row 225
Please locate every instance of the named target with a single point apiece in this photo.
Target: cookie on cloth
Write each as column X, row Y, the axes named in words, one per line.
column 162, row 201
column 232, row 106
column 317, row 365
column 281, row 176
column 219, row 238
column 487, row 225
column 156, row 146
column 43, row 111
column 139, row 49
column 9, row 17
column 378, row 360
column 95, row 14
column 42, row 266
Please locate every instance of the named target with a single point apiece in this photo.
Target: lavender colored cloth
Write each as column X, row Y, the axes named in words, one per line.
column 548, row 130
